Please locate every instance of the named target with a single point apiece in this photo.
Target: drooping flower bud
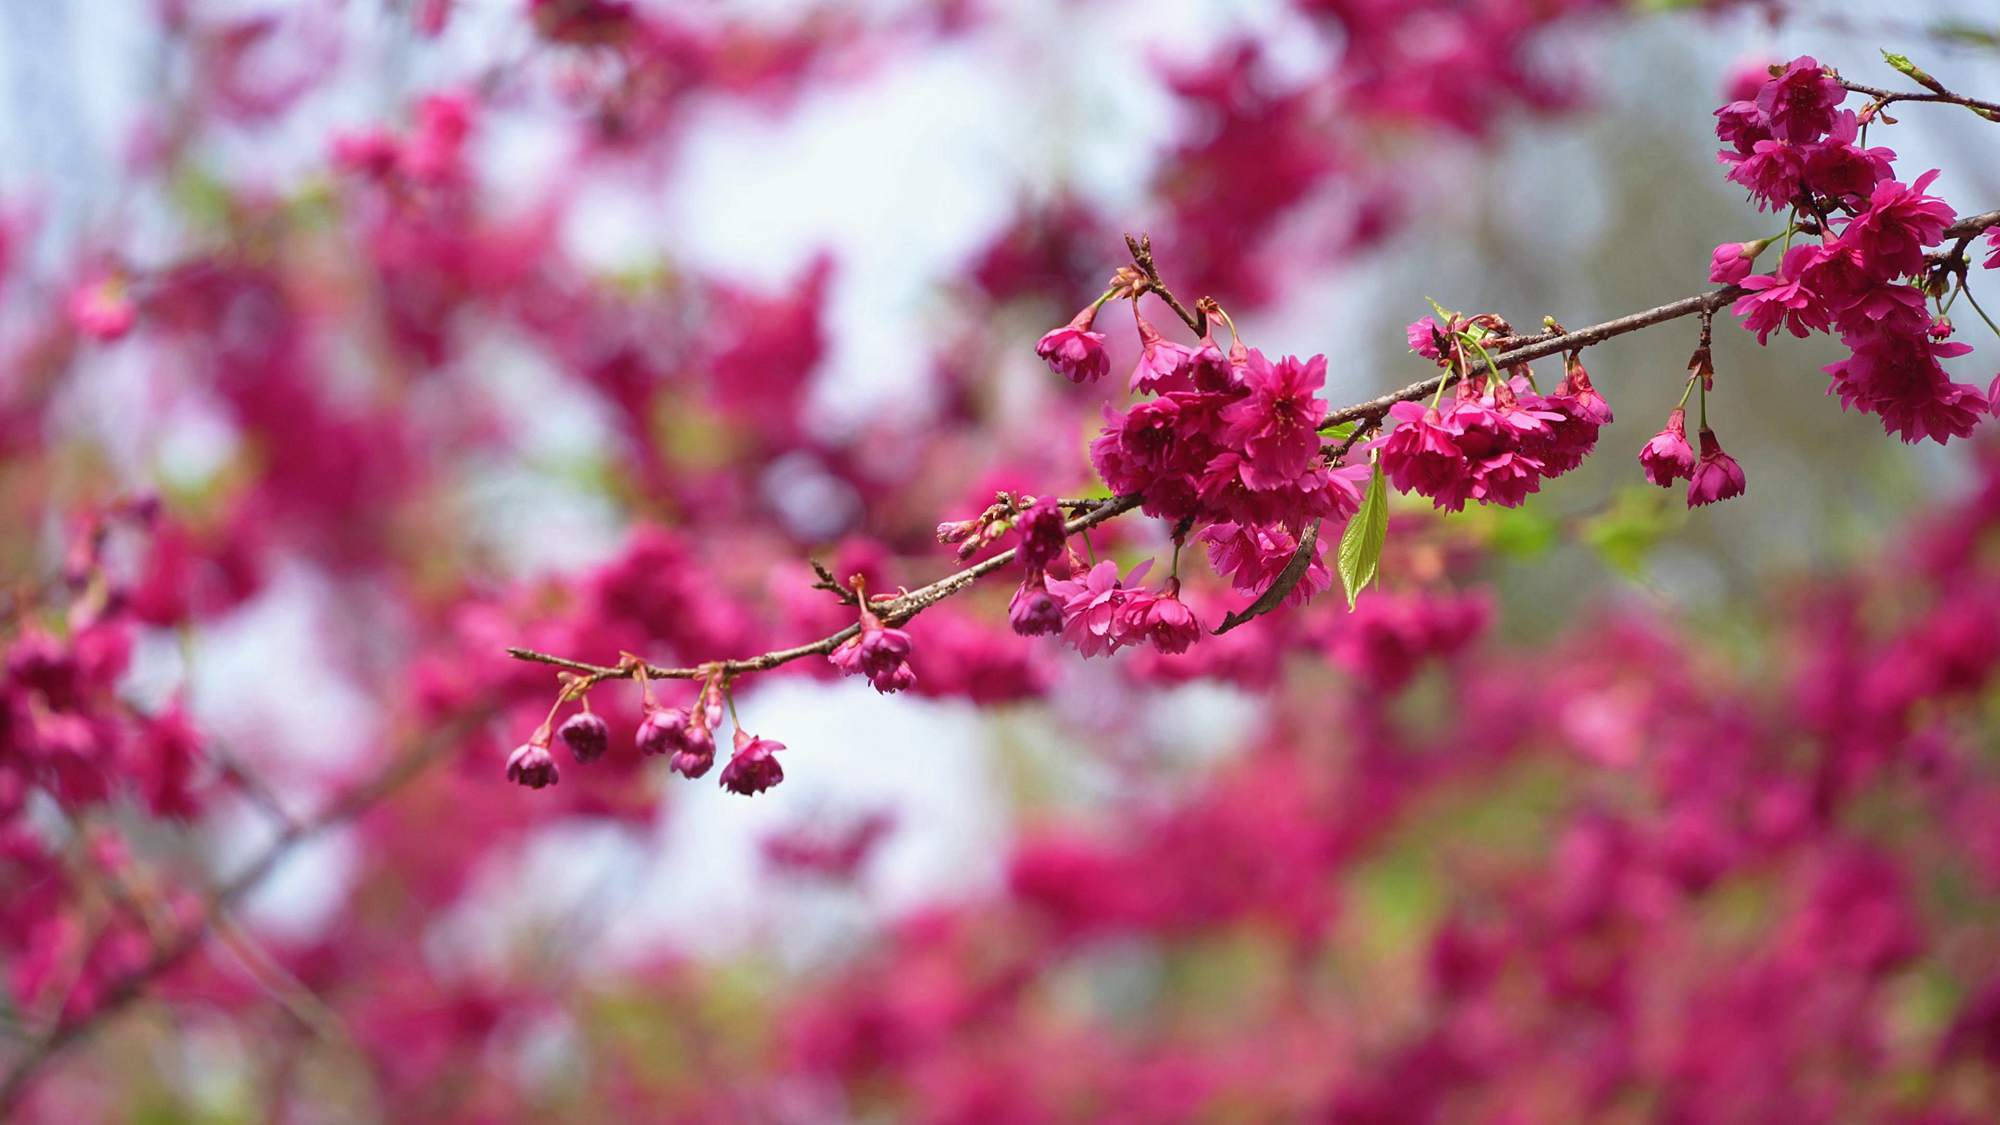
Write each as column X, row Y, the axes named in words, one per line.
column 696, row 754
column 1074, row 351
column 1034, row 611
column 531, row 764
column 754, row 767
column 877, row 652
column 662, row 731
column 1668, row 457
column 587, row 736
column 1717, row 476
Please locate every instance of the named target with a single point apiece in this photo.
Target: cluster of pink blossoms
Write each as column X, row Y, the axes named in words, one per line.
column 878, row 652
column 1499, row 439
column 1227, row 447
column 1865, row 276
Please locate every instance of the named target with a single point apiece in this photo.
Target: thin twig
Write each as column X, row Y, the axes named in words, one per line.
column 1885, row 97
column 895, row 612
column 167, row 955
column 1142, row 257
column 1537, row 347
column 1369, row 414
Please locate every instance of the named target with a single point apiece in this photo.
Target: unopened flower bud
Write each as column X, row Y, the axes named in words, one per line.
column 1034, row 611
column 1042, row 534
column 956, row 531
column 696, row 755
column 754, row 767
column 662, row 731
column 587, row 736
column 531, row 764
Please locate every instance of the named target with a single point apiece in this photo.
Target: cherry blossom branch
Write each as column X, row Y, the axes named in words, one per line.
column 167, row 955
column 896, row 611
column 1539, row 347
column 1546, row 344
column 1988, row 110
column 1369, row 414
column 1142, row 258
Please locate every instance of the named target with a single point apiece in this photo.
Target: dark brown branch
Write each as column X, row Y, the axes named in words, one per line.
column 1988, row 110
column 1369, row 414
column 895, row 612
column 1547, row 344
column 1539, row 347
column 1142, row 257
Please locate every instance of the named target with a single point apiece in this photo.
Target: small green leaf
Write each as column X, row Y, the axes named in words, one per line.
column 1361, row 544
column 1342, row 431
column 1523, row 532
column 1627, row 533
column 1908, row 69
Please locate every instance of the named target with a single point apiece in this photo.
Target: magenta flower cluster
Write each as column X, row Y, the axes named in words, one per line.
column 1857, row 262
column 1497, row 440
column 1228, row 447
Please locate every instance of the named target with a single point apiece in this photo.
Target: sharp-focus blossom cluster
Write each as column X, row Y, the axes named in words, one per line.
column 1857, row 264
column 1227, row 446
column 1496, row 441
column 878, row 652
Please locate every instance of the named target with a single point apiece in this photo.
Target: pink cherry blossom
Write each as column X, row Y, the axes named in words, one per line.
column 1424, row 335
column 1091, row 607
column 1897, row 377
column 1668, row 457
column 1163, row 365
column 1717, row 476
column 1890, row 236
column 1798, row 104
column 1276, row 424
column 1074, row 351
column 1783, row 300
column 753, row 767
column 1167, row 621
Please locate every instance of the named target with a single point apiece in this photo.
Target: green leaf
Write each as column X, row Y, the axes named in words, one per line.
column 1627, row 533
column 1341, row 432
column 1361, row 544
column 1908, row 69
column 1523, row 532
